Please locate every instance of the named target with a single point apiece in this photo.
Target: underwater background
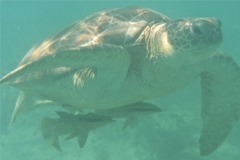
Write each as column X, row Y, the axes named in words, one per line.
column 170, row 135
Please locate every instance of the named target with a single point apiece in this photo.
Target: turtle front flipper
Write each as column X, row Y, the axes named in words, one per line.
column 96, row 56
column 220, row 101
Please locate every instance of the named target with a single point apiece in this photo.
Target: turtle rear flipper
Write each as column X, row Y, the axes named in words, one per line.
column 220, row 101
column 23, row 104
column 27, row 102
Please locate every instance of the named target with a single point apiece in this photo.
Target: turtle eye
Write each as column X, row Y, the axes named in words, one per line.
column 196, row 30
column 201, row 27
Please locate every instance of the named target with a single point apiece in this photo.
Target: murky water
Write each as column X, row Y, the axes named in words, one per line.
column 170, row 135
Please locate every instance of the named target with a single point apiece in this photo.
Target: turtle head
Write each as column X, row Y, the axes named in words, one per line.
column 200, row 36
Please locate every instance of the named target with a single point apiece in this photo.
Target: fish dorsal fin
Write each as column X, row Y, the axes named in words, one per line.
column 82, row 139
column 55, row 144
column 54, row 141
column 130, row 122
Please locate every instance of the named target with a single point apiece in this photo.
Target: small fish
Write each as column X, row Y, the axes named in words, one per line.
column 130, row 112
column 71, row 126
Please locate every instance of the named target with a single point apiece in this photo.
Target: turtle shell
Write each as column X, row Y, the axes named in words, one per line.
column 117, row 27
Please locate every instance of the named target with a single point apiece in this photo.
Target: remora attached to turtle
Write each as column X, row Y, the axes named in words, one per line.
column 79, row 125
column 130, row 112
column 71, row 126
column 124, row 56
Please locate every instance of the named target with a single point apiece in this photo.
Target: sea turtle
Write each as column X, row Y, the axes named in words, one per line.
column 123, row 56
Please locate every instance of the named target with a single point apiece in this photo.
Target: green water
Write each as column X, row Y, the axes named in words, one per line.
column 170, row 135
